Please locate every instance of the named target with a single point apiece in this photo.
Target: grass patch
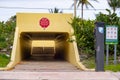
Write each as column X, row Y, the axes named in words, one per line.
column 4, row 60
column 114, row 68
column 90, row 64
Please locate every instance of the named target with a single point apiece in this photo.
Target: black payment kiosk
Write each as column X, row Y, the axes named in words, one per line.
column 99, row 46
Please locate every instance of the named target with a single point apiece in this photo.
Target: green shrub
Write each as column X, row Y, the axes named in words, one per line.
column 7, row 33
column 84, row 32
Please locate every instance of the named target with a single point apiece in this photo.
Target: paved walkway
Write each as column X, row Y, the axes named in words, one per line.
column 45, row 66
column 53, row 70
column 8, row 75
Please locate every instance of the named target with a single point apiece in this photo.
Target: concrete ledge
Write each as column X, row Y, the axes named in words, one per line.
column 6, row 69
column 59, row 75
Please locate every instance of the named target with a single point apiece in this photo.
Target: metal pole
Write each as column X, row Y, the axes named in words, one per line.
column 99, row 37
column 115, row 55
column 107, row 54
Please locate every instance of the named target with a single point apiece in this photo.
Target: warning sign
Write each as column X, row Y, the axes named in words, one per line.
column 44, row 22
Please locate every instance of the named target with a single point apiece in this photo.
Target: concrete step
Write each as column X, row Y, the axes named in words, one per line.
column 43, row 54
column 40, row 51
column 46, row 50
column 41, row 58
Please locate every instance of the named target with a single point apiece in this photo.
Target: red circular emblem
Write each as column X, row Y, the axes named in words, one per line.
column 44, row 23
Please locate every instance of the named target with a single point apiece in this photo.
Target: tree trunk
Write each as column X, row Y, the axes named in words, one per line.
column 75, row 8
column 82, row 10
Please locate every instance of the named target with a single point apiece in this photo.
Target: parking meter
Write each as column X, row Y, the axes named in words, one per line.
column 99, row 46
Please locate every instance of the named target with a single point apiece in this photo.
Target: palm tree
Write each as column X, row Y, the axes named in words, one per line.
column 114, row 4
column 55, row 10
column 75, row 1
column 86, row 3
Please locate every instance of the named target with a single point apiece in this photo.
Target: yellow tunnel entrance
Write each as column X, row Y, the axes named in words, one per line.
column 42, row 36
column 43, row 46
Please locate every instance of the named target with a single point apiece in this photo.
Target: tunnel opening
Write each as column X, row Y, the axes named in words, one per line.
column 43, row 46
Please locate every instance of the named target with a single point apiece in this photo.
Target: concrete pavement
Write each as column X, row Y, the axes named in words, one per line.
column 10, row 75
column 54, row 70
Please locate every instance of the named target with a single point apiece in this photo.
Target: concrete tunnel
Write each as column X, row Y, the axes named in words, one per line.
column 43, row 46
column 44, row 36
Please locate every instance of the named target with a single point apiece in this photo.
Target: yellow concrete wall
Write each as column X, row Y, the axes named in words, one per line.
column 72, row 55
column 29, row 22
column 16, row 52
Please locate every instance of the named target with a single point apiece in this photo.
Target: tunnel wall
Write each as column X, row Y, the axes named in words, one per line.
column 60, row 46
column 25, row 46
column 15, row 55
column 72, row 54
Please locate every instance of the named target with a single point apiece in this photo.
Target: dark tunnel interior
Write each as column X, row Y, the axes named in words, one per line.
column 49, row 46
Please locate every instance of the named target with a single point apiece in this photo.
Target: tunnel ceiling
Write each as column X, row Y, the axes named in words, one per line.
column 45, row 36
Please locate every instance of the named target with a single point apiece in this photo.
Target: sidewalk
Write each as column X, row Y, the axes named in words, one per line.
column 6, row 75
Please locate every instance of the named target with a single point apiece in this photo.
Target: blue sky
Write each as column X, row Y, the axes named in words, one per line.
column 7, row 7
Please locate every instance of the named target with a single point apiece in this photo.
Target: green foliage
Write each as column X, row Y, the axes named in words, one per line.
column 3, row 44
column 6, row 39
column 83, row 30
column 55, row 10
column 6, row 33
column 4, row 60
column 114, row 4
column 110, row 19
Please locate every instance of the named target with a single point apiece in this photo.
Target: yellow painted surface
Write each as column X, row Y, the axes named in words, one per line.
column 30, row 22
column 43, row 43
column 30, row 34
